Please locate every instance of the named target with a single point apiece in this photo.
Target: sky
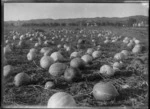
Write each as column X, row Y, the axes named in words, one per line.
column 28, row 11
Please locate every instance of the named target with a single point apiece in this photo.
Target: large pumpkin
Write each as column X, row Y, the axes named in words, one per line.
column 46, row 62
column 87, row 58
column 61, row 100
column 104, row 91
column 77, row 63
column 57, row 69
column 21, row 79
column 57, row 56
column 137, row 49
column 96, row 54
column 107, row 70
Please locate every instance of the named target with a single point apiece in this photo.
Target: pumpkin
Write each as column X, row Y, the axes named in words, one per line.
column 119, row 56
column 7, row 70
column 87, row 59
column 49, row 85
column 57, row 56
column 48, row 52
column 90, row 51
column 137, row 49
column 31, row 56
column 106, row 70
column 21, row 79
column 71, row 74
column 96, row 54
column 37, row 44
column 104, row 91
column 57, row 69
column 44, row 49
column 77, row 63
column 117, row 66
column 46, row 62
column 61, row 100
column 33, row 50
column 59, row 46
column 137, row 41
column 125, row 52
column 74, row 55
column 7, row 49
column 106, row 41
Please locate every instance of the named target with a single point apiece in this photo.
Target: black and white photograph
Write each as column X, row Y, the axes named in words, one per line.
column 75, row 55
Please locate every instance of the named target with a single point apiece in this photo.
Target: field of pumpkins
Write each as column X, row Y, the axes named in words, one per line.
column 68, row 67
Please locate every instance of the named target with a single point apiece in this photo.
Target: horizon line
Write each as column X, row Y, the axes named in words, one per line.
column 70, row 18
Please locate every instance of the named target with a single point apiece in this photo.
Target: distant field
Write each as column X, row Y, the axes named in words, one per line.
column 133, row 74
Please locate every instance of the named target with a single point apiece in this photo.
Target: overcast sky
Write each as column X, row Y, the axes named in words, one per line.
column 27, row 11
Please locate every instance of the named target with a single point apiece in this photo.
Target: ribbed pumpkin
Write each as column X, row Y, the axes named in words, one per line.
column 96, row 54
column 87, row 59
column 7, row 70
column 21, row 79
column 46, row 62
column 104, row 91
column 107, row 70
column 57, row 69
column 61, row 100
column 77, row 63
column 57, row 56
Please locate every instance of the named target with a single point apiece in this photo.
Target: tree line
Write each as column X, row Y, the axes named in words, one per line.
column 129, row 22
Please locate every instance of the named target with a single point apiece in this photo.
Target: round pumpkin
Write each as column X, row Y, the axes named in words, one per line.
column 74, row 55
column 125, row 52
column 49, row 85
column 119, row 56
column 87, row 59
column 71, row 74
column 7, row 70
column 57, row 56
column 31, row 56
column 107, row 70
column 61, row 100
column 7, row 49
column 21, row 79
column 104, row 91
column 90, row 51
column 44, row 49
column 137, row 49
column 57, row 69
column 46, row 62
column 96, row 54
column 117, row 66
column 77, row 63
